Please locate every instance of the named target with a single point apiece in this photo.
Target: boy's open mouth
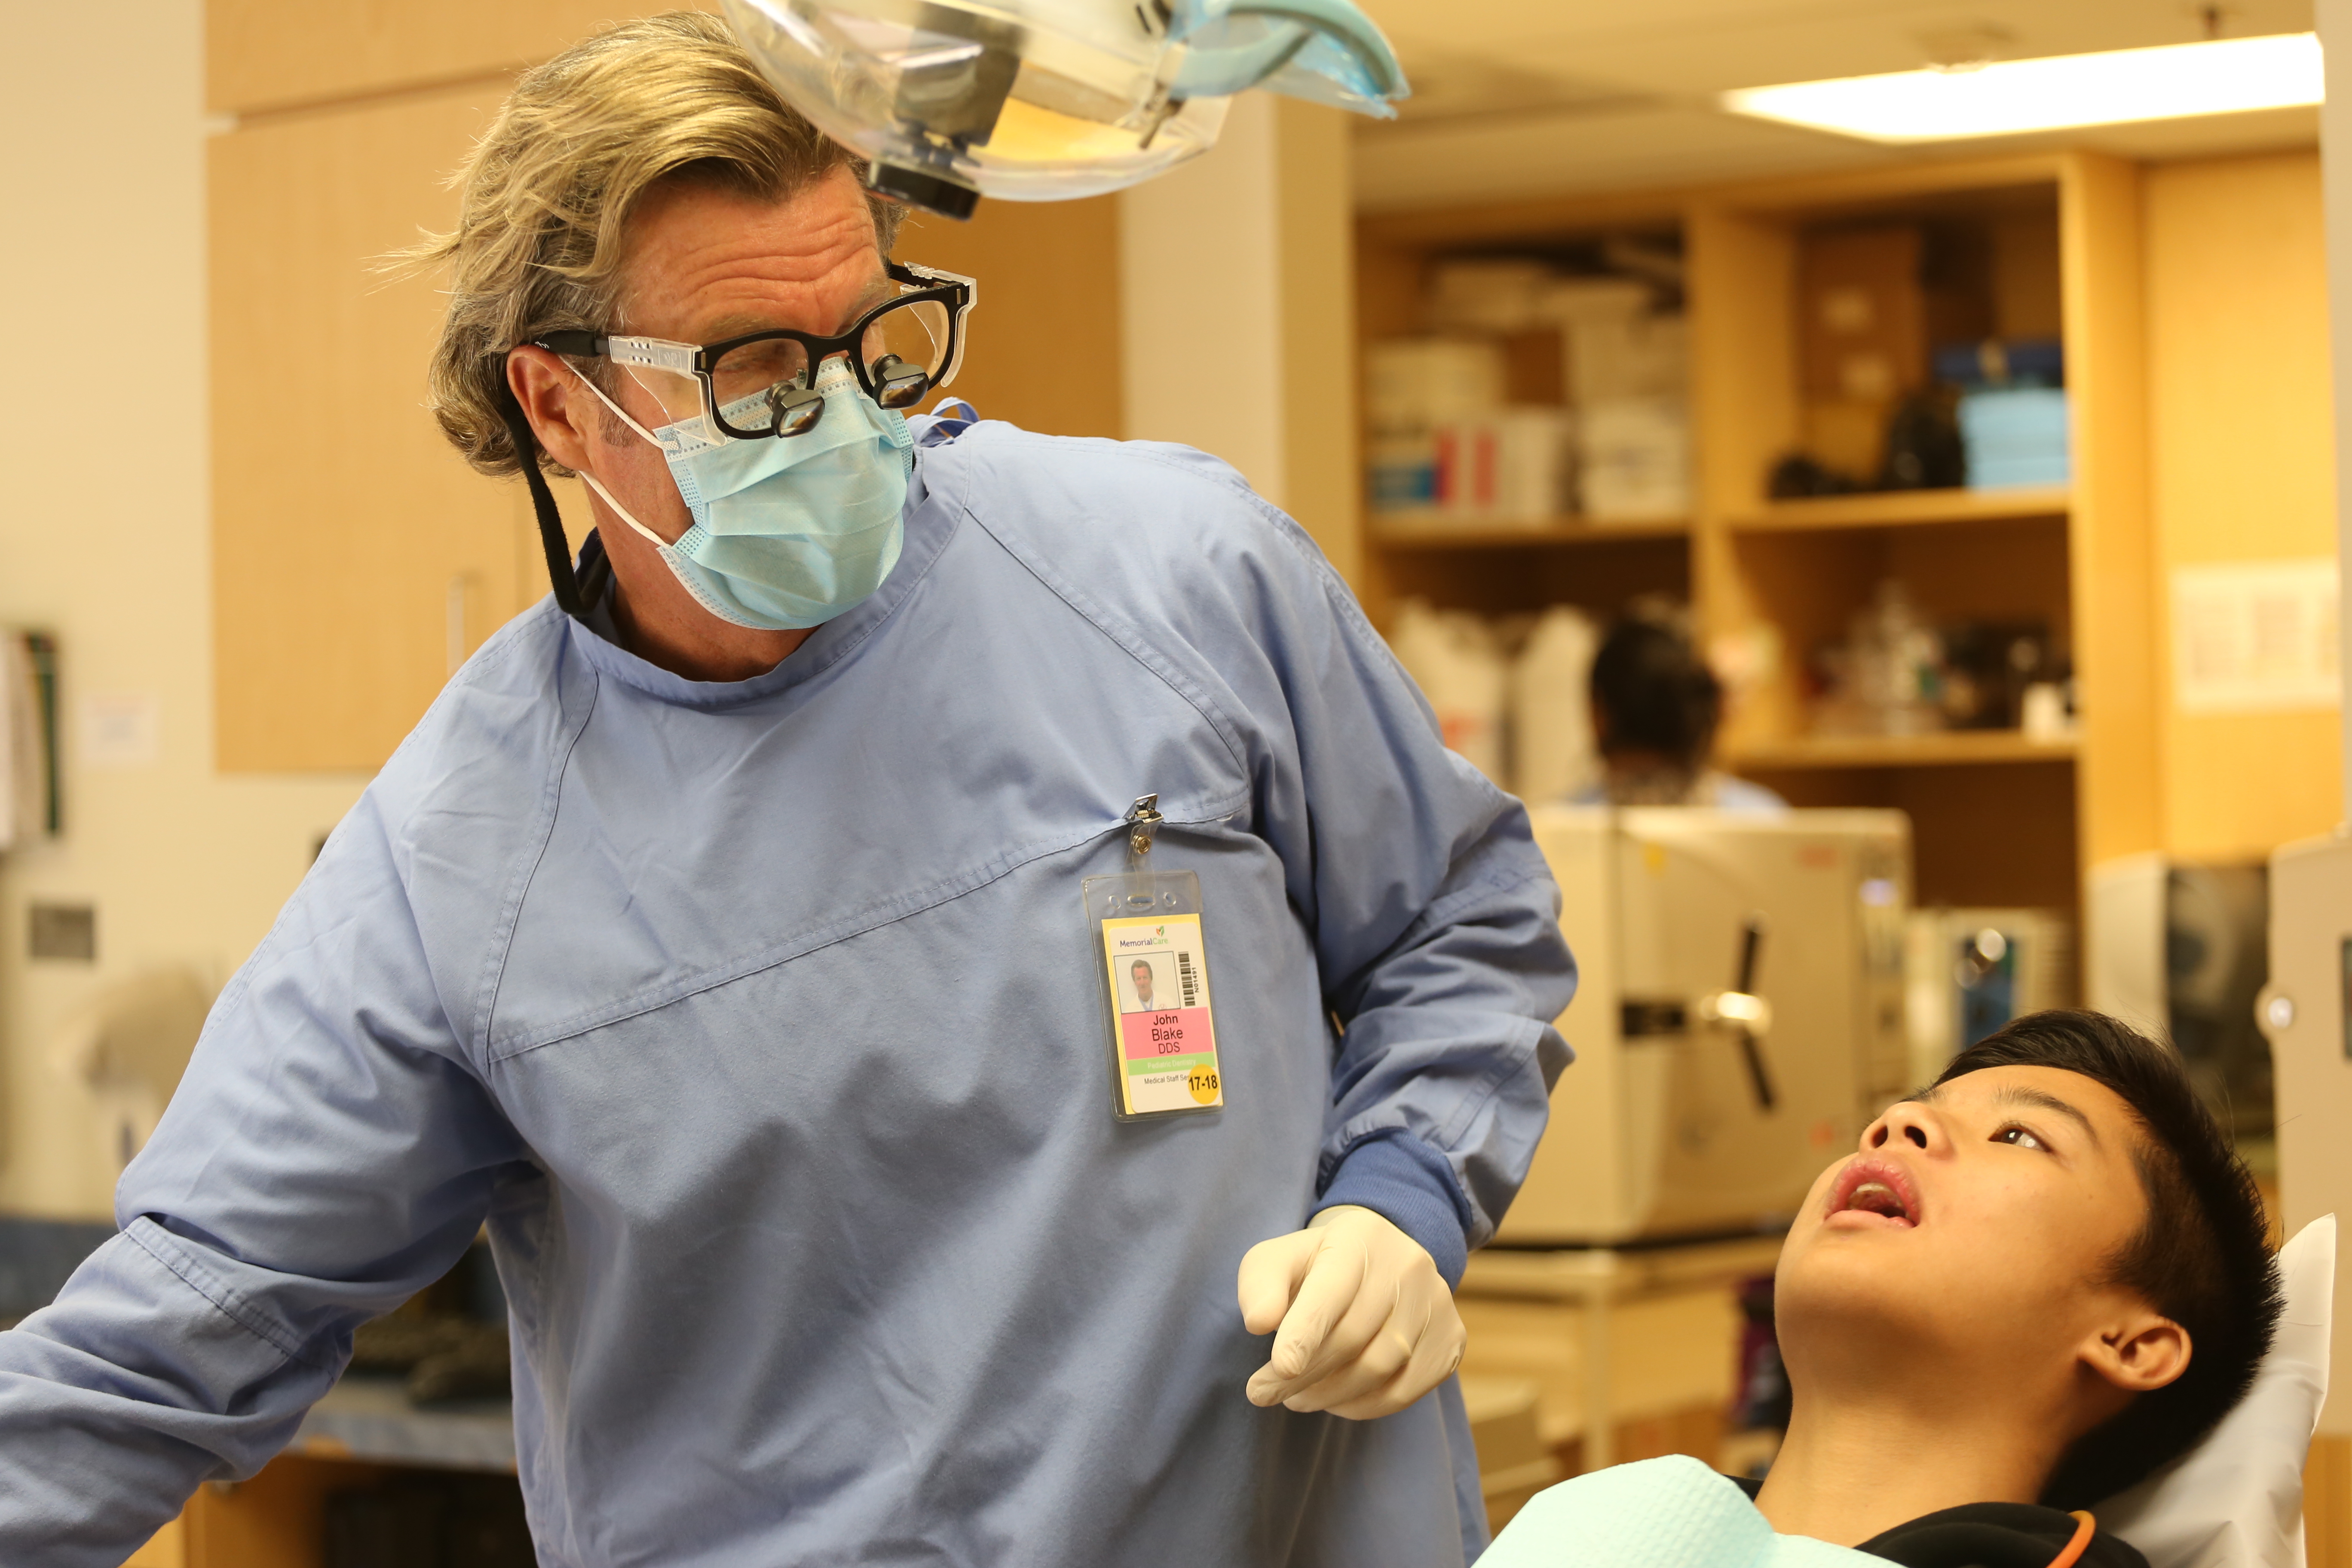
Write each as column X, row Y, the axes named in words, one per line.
column 1872, row 1194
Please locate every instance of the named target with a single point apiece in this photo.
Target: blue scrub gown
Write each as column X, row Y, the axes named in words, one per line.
column 759, row 1020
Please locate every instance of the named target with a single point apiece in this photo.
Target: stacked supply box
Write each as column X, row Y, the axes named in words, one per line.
column 1626, row 369
column 2014, row 435
column 1636, row 459
column 1508, row 467
column 1538, row 395
column 1415, row 387
column 2013, row 410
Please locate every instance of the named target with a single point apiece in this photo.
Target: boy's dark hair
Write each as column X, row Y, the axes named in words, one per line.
column 1654, row 693
column 2202, row 1257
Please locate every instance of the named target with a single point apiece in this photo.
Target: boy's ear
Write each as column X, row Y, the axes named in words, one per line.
column 2138, row 1353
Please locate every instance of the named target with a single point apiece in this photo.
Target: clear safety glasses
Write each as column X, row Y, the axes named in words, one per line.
column 764, row 384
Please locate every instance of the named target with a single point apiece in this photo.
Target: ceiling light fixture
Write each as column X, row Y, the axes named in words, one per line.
column 2227, row 76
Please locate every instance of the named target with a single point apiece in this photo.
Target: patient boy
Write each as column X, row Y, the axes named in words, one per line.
column 2029, row 1287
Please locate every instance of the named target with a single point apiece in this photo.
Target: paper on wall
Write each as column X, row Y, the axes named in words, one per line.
column 2251, row 636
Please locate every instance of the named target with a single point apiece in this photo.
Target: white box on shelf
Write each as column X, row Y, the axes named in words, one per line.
column 1411, row 384
column 1567, row 301
column 1616, row 357
column 1634, row 460
column 1499, row 294
column 1510, row 467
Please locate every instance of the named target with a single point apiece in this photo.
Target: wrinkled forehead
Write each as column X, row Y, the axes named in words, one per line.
column 704, row 262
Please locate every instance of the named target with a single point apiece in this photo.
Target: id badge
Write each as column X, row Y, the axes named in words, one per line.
column 1163, row 1036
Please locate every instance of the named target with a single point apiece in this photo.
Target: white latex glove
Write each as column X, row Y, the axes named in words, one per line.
column 1367, row 1325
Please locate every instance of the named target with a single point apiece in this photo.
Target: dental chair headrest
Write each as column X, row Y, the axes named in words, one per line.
column 2235, row 1500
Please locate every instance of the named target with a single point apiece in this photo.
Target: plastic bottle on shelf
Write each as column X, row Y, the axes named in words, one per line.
column 1898, row 663
column 1552, row 751
column 1452, row 656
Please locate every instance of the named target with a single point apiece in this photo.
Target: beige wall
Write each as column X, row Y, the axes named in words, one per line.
column 1237, row 302
column 103, row 540
column 2241, row 469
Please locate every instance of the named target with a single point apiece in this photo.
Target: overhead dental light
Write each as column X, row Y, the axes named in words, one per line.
column 2225, row 76
column 1049, row 99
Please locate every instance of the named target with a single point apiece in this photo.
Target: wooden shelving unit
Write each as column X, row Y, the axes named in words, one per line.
column 1897, row 509
column 1997, row 818
column 1950, row 747
column 1405, row 532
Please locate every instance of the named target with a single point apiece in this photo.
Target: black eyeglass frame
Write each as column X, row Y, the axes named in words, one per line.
column 922, row 284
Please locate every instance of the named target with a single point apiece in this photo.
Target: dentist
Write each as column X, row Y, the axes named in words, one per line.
column 717, row 939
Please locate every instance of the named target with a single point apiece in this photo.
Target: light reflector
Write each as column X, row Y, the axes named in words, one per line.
column 2226, row 76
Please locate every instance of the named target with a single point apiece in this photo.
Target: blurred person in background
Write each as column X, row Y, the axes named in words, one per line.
column 1655, row 706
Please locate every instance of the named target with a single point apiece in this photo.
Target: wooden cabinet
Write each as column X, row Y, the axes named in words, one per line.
column 1044, row 337
column 263, row 54
column 355, row 557
column 2241, row 468
column 2211, row 307
column 277, row 1520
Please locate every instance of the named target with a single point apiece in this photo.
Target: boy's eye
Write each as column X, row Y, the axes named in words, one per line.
column 2019, row 1136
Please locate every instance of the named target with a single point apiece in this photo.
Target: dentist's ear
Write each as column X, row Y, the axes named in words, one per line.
column 565, row 415
column 2138, row 1353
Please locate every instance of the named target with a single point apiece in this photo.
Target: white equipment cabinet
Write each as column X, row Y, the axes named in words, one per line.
column 1703, row 1103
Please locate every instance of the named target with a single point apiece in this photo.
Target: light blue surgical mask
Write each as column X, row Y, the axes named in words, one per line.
column 788, row 532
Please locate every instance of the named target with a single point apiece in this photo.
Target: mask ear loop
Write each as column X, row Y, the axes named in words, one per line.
column 623, row 513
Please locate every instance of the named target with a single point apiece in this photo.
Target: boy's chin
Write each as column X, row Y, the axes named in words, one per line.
column 1860, row 1276
column 1884, row 1331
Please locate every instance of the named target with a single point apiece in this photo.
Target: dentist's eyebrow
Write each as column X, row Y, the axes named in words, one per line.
column 880, row 291
column 2042, row 1100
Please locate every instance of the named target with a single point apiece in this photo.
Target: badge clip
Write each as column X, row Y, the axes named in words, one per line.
column 1143, row 820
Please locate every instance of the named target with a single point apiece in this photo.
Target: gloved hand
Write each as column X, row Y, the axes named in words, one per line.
column 1367, row 1325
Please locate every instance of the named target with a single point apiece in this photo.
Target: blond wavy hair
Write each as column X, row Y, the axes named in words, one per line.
column 547, row 195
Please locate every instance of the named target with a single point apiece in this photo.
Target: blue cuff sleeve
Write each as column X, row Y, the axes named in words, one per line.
column 1410, row 1184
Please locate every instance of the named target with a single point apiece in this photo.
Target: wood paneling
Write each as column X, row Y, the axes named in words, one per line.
column 2243, row 467
column 1044, row 346
column 277, row 1520
column 2328, row 1503
column 346, row 533
column 2120, row 798
column 1743, row 414
column 274, row 54
column 1999, row 834
column 167, row 1548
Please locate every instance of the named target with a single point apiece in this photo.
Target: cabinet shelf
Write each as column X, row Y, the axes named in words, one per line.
column 1951, row 747
column 1895, row 509
column 1411, row 533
